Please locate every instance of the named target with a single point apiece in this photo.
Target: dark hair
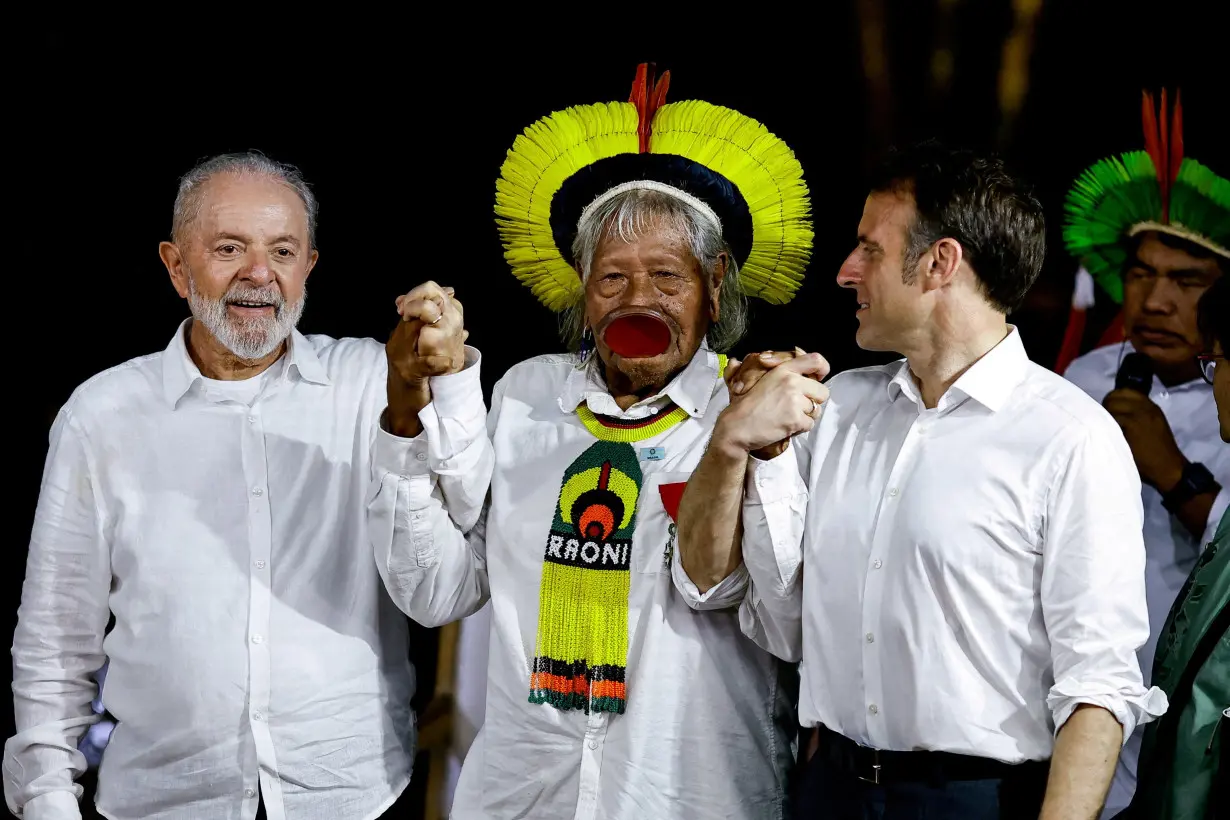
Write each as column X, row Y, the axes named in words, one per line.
column 1178, row 243
column 974, row 200
column 1213, row 314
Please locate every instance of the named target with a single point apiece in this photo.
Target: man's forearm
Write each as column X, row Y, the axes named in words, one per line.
column 1086, row 752
column 709, row 515
column 405, row 403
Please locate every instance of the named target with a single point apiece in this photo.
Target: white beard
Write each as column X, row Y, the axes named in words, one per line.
column 248, row 339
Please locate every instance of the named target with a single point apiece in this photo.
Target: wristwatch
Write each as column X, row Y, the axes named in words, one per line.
column 1196, row 480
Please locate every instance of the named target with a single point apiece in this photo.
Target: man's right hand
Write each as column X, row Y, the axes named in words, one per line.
column 784, row 402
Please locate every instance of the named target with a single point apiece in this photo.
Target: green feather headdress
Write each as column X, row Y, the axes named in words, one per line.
column 1157, row 189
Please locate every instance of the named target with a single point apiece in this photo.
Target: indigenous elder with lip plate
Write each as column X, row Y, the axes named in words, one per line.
column 616, row 689
column 1157, row 242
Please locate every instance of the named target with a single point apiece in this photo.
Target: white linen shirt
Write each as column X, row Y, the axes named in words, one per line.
column 957, row 578
column 255, row 647
column 705, row 732
column 1171, row 551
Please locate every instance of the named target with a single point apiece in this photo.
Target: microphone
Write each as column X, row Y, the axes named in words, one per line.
column 1136, row 373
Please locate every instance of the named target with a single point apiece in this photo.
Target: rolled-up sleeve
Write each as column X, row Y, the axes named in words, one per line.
column 426, row 503
column 1093, row 583
column 727, row 593
column 774, row 513
column 57, row 646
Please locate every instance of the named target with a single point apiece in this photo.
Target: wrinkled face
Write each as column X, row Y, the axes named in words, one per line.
column 244, row 263
column 889, row 311
column 655, row 276
column 1161, row 287
column 1221, row 390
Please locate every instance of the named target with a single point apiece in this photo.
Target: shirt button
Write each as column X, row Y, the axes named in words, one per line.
column 593, row 744
column 257, row 716
column 249, row 793
column 251, row 420
column 875, row 710
column 871, row 638
column 257, row 491
column 893, row 492
column 421, row 456
column 878, row 563
column 257, row 639
column 259, row 564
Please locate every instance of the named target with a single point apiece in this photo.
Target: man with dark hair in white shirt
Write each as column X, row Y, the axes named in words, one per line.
column 950, row 544
column 1161, row 243
column 213, row 497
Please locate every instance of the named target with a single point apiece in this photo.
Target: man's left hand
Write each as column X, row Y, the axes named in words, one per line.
column 1148, row 434
column 428, row 341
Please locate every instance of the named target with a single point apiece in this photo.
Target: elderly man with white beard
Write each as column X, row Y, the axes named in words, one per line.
column 215, row 500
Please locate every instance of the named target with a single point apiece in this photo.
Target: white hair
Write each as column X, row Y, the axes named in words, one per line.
column 628, row 215
column 248, row 163
column 248, row 339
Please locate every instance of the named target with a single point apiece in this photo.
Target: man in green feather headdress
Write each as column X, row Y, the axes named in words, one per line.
column 1184, row 773
column 1153, row 227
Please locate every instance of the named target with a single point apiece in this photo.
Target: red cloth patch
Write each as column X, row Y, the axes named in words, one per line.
column 672, row 494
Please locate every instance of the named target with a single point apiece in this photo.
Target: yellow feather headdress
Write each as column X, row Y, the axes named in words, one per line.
column 749, row 179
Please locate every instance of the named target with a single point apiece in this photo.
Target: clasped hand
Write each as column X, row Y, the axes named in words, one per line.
column 428, row 341
column 773, row 397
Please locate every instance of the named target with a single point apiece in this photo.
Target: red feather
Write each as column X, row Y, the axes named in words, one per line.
column 648, row 97
column 659, row 92
column 1176, row 145
column 1163, row 167
column 1153, row 145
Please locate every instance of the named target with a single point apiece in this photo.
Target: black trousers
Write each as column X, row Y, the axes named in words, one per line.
column 827, row 789
column 400, row 810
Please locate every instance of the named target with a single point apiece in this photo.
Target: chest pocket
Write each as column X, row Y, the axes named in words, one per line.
column 655, row 537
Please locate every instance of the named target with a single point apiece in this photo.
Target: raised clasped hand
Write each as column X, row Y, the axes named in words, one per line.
column 774, row 396
column 430, row 338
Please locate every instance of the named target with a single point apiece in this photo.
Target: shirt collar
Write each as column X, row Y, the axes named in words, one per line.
column 691, row 389
column 180, row 373
column 989, row 381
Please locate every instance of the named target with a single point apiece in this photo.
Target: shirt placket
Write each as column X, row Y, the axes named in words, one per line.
column 592, row 746
column 260, row 542
column 873, row 587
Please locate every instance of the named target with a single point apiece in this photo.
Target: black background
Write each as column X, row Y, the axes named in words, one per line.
column 401, row 127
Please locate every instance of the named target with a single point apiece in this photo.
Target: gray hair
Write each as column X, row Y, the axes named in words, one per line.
column 247, row 163
column 628, row 215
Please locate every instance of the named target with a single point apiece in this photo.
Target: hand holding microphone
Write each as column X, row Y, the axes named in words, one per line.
column 1148, row 434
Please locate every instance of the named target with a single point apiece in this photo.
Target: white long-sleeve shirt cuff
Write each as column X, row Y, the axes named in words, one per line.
column 774, row 508
column 725, row 594
column 452, row 422
column 1220, row 503
column 1131, row 709
column 774, row 480
column 55, row 805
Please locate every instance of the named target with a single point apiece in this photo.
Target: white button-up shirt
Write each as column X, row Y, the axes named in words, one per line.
column 255, row 647
column 1171, row 551
column 957, row 578
column 705, row 734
